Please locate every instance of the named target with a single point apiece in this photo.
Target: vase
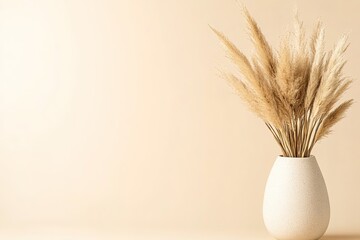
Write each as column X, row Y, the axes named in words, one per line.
column 296, row 203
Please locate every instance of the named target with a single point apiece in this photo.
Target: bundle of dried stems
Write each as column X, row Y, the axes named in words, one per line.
column 295, row 90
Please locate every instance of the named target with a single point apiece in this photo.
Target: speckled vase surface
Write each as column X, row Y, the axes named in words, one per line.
column 296, row 203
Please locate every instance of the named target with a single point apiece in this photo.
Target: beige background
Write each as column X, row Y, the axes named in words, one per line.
column 112, row 116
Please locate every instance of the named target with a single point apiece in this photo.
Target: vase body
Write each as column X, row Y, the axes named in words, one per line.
column 296, row 203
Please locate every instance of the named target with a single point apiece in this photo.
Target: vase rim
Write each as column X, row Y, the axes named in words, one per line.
column 296, row 158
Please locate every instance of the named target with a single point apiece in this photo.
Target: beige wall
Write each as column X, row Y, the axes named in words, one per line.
column 112, row 116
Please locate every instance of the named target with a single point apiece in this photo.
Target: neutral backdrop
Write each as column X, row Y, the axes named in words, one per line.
column 113, row 116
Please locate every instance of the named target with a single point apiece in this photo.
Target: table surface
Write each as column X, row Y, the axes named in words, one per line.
column 56, row 234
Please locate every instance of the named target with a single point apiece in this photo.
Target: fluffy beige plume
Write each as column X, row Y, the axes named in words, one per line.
column 332, row 118
column 263, row 49
column 254, row 82
column 317, row 66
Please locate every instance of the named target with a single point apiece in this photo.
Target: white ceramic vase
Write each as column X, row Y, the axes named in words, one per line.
column 296, row 203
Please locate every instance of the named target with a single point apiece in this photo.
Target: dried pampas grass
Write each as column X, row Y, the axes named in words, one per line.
column 294, row 90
